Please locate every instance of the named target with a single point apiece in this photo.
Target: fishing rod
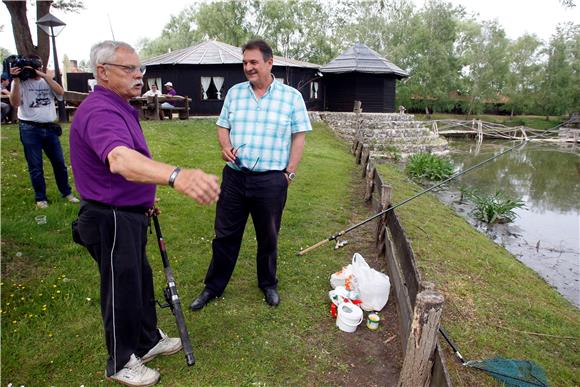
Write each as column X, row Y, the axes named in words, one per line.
column 454, row 176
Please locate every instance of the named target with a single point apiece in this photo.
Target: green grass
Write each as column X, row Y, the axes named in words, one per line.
column 51, row 322
column 491, row 299
column 428, row 166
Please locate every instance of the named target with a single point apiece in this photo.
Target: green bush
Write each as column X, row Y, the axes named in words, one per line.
column 429, row 166
column 496, row 208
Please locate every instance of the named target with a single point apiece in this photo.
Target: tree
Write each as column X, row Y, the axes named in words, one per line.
column 559, row 89
column 301, row 29
column 487, row 67
column 524, row 57
column 21, row 28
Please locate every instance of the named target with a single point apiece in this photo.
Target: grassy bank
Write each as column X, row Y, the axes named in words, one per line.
column 51, row 323
column 494, row 305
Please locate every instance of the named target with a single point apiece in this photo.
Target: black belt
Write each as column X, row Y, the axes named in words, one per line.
column 247, row 171
column 135, row 209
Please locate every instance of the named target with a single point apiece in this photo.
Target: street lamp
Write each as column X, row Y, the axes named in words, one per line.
column 53, row 26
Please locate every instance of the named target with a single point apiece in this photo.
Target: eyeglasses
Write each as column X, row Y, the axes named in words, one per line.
column 239, row 163
column 129, row 69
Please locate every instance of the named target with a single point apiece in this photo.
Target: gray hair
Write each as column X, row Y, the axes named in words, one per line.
column 105, row 52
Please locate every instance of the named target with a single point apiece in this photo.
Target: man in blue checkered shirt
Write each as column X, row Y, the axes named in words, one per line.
column 261, row 131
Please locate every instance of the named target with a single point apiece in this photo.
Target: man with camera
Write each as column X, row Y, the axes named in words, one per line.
column 33, row 92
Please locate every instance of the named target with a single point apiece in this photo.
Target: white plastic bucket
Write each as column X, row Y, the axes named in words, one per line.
column 349, row 317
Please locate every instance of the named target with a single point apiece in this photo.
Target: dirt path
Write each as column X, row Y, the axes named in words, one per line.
column 374, row 358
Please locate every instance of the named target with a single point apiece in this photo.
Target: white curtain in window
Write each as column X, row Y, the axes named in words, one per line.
column 92, row 82
column 156, row 81
column 218, row 82
column 315, row 89
column 205, row 82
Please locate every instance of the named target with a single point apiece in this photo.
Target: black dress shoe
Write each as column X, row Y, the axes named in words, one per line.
column 204, row 297
column 272, row 297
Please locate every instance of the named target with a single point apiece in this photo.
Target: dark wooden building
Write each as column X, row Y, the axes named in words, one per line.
column 360, row 74
column 206, row 71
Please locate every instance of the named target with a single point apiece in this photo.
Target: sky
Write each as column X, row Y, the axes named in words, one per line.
column 131, row 21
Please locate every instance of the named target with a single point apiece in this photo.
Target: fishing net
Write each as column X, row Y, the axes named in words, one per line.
column 519, row 373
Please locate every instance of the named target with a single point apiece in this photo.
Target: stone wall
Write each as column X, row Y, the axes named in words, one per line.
column 387, row 135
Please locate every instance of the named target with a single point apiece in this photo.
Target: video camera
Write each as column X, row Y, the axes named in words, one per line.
column 26, row 64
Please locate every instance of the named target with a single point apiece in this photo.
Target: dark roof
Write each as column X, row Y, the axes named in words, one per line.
column 214, row 52
column 362, row 59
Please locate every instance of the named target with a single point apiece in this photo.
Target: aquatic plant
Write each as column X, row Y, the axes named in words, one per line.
column 429, row 166
column 496, row 208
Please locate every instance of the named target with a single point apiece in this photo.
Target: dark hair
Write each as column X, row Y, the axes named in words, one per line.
column 261, row 45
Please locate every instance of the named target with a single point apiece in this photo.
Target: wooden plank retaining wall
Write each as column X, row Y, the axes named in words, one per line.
column 393, row 245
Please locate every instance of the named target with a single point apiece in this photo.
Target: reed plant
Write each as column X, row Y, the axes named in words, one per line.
column 429, row 166
column 493, row 208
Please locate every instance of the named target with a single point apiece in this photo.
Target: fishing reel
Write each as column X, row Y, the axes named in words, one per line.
column 340, row 243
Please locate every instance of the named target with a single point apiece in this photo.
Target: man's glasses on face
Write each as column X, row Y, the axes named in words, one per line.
column 239, row 163
column 129, row 69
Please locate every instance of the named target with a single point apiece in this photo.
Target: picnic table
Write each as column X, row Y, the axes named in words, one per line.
column 150, row 107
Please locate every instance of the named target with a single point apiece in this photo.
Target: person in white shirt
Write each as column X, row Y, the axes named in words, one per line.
column 34, row 97
column 153, row 91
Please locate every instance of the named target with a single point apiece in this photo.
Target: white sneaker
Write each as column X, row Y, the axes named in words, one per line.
column 135, row 373
column 42, row 204
column 71, row 198
column 165, row 346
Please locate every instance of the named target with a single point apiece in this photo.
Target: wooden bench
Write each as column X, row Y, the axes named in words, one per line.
column 72, row 100
column 150, row 107
column 182, row 111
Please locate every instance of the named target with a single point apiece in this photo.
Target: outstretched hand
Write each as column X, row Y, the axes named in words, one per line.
column 198, row 185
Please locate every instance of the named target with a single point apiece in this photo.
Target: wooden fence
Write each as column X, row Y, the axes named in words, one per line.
column 424, row 362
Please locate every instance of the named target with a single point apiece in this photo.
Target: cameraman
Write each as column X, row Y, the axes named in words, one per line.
column 34, row 92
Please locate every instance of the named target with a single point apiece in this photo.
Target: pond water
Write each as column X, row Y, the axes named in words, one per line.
column 546, row 177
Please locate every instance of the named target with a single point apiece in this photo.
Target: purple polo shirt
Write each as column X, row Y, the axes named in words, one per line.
column 102, row 122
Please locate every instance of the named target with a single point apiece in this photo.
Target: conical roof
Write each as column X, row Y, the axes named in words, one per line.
column 214, row 52
column 362, row 59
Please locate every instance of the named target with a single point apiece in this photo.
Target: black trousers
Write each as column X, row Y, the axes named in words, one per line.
column 116, row 239
column 261, row 195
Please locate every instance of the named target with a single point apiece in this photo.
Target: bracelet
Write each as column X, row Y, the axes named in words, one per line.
column 173, row 176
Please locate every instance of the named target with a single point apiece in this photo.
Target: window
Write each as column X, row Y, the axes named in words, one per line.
column 211, row 88
column 156, row 81
column 314, row 90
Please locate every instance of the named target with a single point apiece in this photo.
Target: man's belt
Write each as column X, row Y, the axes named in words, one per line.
column 135, row 209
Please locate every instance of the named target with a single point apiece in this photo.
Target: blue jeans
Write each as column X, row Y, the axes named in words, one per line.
column 35, row 139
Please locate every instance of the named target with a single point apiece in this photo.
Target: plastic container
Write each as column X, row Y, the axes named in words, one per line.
column 373, row 320
column 349, row 317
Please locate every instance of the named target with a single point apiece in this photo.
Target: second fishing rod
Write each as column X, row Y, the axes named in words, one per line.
column 454, row 176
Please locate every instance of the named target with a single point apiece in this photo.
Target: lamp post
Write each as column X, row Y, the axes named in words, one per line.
column 53, row 26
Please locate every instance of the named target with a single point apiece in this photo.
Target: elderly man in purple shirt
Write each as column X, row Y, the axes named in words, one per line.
column 116, row 178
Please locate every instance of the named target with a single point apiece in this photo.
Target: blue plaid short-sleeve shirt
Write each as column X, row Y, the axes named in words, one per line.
column 262, row 128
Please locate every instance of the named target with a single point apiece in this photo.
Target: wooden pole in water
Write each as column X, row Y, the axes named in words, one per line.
column 422, row 339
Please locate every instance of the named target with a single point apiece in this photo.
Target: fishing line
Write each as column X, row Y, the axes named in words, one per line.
column 454, row 176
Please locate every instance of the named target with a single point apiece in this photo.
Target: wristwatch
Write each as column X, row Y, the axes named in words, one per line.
column 291, row 175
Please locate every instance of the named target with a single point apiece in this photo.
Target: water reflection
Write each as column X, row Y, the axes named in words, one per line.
column 545, row 235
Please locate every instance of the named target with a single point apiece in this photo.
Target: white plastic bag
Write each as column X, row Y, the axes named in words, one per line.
column 342, row 278
column 373, row 286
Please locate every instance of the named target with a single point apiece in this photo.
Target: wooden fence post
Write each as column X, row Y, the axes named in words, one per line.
column 370, row 181
column 365, row 159
column 422, row 339
column 385, row 202
column 358, row 152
